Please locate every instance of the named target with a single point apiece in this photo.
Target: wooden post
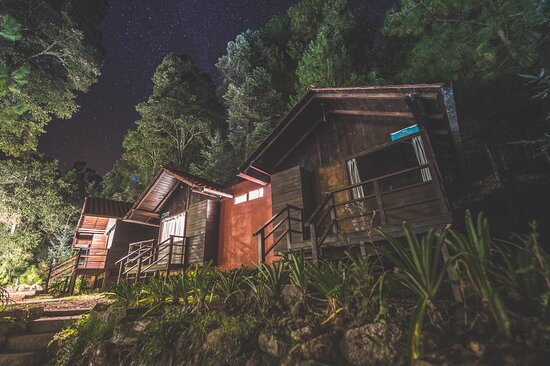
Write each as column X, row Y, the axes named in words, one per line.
column 170, row 248
column 313, row 238
column 120, row 271
column 289, row 229
column 261, row 247
column 48, row 280
column 333, row 222
column 138, row 273
column 379, row 203
column 72, row 281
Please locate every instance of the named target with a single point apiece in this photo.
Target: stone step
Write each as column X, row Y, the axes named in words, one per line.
column 29, row 342
column 51, row 324
column 65, row 312
column 22, row 359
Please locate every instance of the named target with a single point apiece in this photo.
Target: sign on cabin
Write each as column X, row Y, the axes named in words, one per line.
column 407, row 131
column 165, row 214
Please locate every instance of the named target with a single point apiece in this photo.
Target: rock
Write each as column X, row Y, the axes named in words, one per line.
column 37, row 287
column 23, row 288
column 271, row 343
column 372, row 344
column 102, row 354
column 127, row 334
column 213, row 339
column 477, row 348
column 320, row 348
column 100, row 307
column 292, row 295
column 303, row 334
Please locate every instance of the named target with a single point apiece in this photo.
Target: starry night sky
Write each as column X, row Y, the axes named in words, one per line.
column 137, row 34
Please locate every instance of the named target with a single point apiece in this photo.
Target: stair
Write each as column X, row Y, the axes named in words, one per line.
column 31, row 347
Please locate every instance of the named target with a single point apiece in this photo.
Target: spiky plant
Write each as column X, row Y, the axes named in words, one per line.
column 474, row 257
column 155, row 292
column 418, row 267
column 331, row 282
column 125, row 293
column 231, row 284
column 298, row 271
column 201, row 280
column 179, row 288
column 273, row 277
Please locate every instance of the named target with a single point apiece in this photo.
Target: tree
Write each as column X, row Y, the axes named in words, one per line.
column 469, row 40
column 250, row 97
column 326, row 63
column 34, row 213
column 58, row 52
column 174, row 124
column 217, row 161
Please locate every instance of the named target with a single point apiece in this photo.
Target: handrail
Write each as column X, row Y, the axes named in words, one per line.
column 129, row 254
column 270, row 221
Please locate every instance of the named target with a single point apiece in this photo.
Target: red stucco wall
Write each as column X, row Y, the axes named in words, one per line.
column 238, row 222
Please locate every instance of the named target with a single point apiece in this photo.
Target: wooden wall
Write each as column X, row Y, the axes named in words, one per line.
column 202, row 226
column 237, row 245
column 294, row 186
column 179, row 200
column 126, row 233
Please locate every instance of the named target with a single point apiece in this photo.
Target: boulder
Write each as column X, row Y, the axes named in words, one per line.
column 270, row 342
column 304, row 333
column 103, row 354
column 321, row 348
column 292, row 295
column 37, row 287
column 213, row 339
column 372, row 344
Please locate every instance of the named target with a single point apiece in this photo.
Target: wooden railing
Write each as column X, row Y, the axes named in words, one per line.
column 61, row 271
column 147, row 256
column 268, row 229
column 328, row 217
column 94, row 259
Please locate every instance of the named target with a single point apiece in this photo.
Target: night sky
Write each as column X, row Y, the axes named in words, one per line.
column 137, row 34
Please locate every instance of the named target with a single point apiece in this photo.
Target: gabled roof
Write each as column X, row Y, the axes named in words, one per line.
column 371, row 102
column 147, row 207
column 101, row 207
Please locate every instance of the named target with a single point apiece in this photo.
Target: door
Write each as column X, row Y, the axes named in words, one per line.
column 172, row 226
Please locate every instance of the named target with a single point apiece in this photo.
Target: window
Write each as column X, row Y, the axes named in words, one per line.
column 174, row 225
column 255, row 194
column 240, row 199
column 110, row 230
column 252, row 195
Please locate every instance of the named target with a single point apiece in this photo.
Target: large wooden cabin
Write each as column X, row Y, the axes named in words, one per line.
column 346, row 160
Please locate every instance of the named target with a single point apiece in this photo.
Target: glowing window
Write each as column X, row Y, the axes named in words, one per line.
column 255, row 194
column 240, row 199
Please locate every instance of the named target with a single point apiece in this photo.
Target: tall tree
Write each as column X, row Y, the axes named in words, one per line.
column 470, row 40
column 174, row 122
column 60, row 54
column 253, row 105
column 326, row 63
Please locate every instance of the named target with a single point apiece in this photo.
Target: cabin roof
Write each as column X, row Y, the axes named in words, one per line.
column 163, row 184
column 101, row 207
column 429, row 102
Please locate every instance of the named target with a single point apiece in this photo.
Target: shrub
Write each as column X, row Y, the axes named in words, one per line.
column 77, row 342
column 125, row 293
column 31, row 276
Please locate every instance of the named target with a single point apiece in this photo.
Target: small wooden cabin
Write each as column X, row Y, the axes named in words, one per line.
column 101, row 238
column 184, row 210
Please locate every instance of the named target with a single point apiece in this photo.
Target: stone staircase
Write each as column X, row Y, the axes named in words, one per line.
column 29, row 347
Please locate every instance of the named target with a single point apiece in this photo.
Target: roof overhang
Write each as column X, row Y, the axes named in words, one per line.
column 380, row 103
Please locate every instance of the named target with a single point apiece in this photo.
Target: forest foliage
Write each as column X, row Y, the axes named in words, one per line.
column 50, row 52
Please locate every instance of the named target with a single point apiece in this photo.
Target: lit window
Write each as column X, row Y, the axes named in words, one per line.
column 255, row 194
column 240, row 199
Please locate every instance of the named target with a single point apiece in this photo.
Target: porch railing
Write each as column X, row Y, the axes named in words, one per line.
column 94, row 258
column 283, row 217
column 60, row 274
column 148, row 257
column 333, row 211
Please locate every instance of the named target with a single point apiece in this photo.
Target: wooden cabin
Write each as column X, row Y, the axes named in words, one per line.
column 354, row 159
column 101, row 238
column 341, row 163
column 184, row 210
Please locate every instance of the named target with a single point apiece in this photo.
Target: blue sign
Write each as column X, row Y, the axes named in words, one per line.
column 165, row 214
column 407, row 131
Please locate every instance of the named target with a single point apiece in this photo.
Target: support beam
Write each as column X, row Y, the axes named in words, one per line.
column 367, row 96
column 145, row 213
column 304, row 136
column 359, row 113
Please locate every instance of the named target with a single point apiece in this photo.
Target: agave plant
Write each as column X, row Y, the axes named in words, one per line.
column 179, row 288
column 125, row 293
column 365, row 278
column 474, row 250
column 331, row 281
column 419, row 267
column 231, row 283
column 155, row 292
column 201, row 282
column 524, row 270
column 298, row 271
column 273, row 277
